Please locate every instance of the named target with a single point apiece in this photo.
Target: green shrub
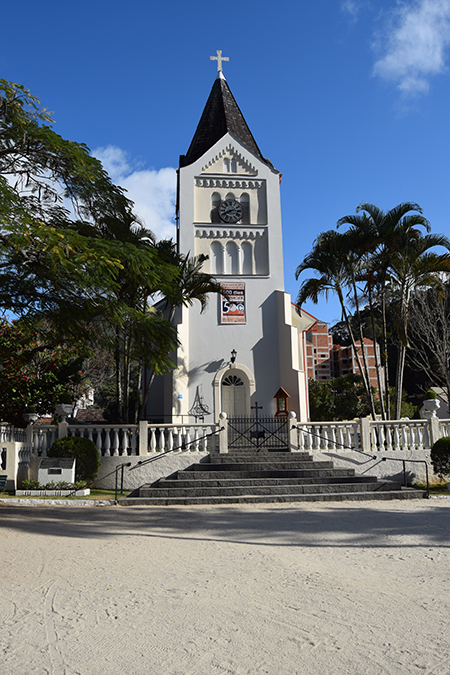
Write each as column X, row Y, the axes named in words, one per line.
column 31, row 409
column 84, row 451
column 430, row 394
column 30, row 485
column 65, row 398
column 440, row 457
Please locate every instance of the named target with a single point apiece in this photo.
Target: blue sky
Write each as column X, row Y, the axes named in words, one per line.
column 349, row 99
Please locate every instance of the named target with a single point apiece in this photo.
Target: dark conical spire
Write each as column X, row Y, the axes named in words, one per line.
column 221, row 115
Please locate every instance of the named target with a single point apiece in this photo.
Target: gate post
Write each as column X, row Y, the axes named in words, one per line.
column 293, row 433
column 223, row 434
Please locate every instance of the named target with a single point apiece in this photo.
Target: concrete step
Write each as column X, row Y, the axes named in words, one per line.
column 404, row 493
column 260, row 466
column 288, row 473
column 185, row 482
column 254, row 456
column 273, row 490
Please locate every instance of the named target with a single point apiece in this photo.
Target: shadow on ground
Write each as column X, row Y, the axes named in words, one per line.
column 380, row 525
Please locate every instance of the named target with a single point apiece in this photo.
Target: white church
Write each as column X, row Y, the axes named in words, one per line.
column 249, row 343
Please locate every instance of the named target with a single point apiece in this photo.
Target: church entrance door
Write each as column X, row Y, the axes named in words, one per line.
column 235, row 395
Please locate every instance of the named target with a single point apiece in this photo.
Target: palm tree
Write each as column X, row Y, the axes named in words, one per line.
column 337, row 270
column 378, row 236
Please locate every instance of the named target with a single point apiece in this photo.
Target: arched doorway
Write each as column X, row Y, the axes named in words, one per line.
column 235, row 394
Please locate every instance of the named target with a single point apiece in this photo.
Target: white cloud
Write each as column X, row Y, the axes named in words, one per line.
column 414, row 44
column 152, row 191
column 352, row 7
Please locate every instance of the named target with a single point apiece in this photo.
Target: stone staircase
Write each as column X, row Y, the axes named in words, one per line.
column 256, row 477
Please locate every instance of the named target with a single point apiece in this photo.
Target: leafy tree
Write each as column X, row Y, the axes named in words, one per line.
column 341, row 398
column 429, row 335
column 382, row 258
column 35, row 372
column 93, row 272
column 44, row 266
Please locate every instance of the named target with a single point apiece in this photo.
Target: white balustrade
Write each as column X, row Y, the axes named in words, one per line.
column 328, row 436
column 399, row 435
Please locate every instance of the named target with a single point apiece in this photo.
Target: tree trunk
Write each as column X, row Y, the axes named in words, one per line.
column 377, row 363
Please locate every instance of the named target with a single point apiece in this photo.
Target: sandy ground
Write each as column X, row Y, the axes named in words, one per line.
column 336, row 588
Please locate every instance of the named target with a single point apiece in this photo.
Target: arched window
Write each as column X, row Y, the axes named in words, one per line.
column 231, row 258
column 247, row 255
column 216, row 258
column 215, row 201
column 245, row 203
column 230, row 195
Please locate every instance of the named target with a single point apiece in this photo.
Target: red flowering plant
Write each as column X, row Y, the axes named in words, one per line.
column 35, row 372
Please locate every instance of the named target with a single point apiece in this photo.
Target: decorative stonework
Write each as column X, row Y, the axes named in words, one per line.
column 230, row 150
column 235, row 233
column 228, row 183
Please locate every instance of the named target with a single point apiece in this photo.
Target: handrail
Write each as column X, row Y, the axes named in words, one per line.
column 384, row 459
column 167, row 452
column 414, row 461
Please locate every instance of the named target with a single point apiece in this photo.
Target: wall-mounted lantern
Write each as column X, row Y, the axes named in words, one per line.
column 282, row 402
column 233, row 355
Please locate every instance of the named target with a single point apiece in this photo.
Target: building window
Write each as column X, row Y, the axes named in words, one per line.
column 215, row 201
column 245, row 203
column 232, row 381
column 216, row 258
column 231, row 265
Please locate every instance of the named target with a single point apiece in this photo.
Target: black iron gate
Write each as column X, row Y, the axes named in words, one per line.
column 258, row 433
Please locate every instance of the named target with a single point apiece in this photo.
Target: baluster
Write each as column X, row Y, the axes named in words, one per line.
column 420, row 436
column 170, row 439
column 404, row 436
column 206, row 430
column 115, row 442
column 309, row 438
column 153, row 440
column 133, row 443
column 333, row 437
column 161, row 440
column 340, row 437
column 36, row 441
column 187, row 439
column 44, row 442
column 382, row 437
column 356, row 439
column 388, row 430
column 125, row 442
column 317, row 437
column 196, row 439
column 98, row 440
column 89, row 434
column 213, row 442
column 396, row 438
column 301, row 439
column 107, row 443
column 179, row 438
column 413, row 436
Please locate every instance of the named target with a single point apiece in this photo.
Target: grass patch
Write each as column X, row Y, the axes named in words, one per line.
column 436, row 488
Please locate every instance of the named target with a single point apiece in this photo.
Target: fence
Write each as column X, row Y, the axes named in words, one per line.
column 19, row 446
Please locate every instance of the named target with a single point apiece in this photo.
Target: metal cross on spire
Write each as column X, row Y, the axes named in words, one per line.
column 219, row 58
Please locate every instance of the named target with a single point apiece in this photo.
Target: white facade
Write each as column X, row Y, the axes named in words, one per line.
column 246, row 252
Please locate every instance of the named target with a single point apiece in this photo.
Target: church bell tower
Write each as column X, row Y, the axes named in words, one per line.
column 246, row 345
